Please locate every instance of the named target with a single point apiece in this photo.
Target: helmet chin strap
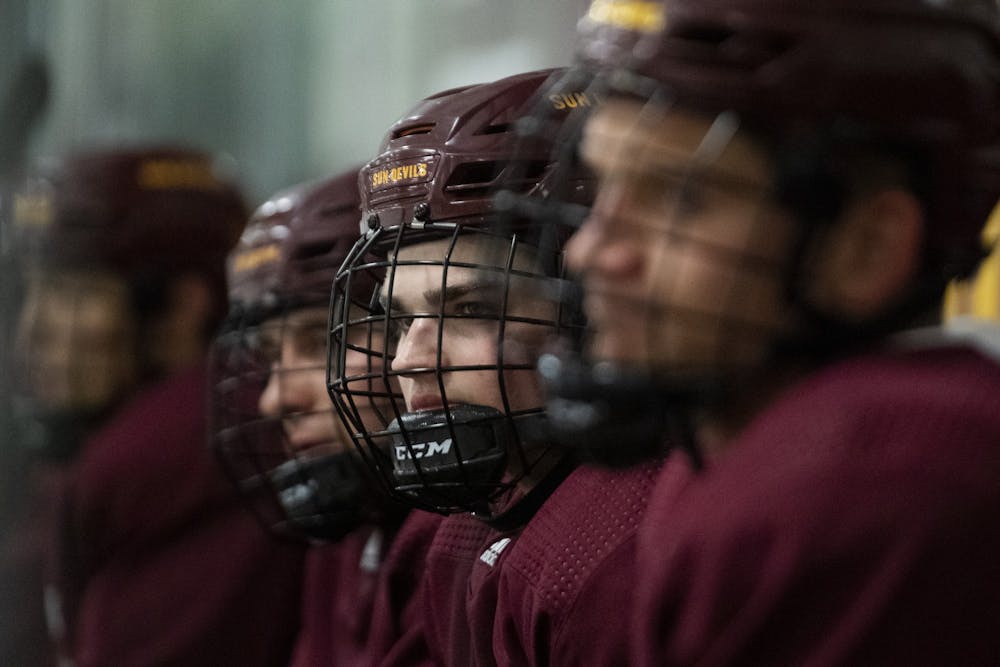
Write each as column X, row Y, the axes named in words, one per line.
column 322, row 497
column 456, row 459
column 326, row 498
column 55, row 435
column 620, row 417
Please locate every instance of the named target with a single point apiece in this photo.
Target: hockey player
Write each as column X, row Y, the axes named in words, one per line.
column 280, row 439
column 784, row 190
column 155, row 562
column 534, row 561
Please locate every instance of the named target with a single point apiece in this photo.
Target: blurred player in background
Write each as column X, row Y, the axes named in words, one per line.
column 279, row 437
column 784, row 190
column 153, row 561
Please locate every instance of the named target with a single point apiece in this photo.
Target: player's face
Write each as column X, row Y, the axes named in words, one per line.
column 478, row 353
column 296, row 391
column 682, row 257
column 76, row 339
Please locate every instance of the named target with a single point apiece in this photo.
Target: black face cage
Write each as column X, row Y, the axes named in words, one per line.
column 317, row 493
column 460, row 456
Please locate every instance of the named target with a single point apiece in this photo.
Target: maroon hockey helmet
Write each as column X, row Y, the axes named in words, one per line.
column 130, row 209
column 142, row 212
column 903, row 73
column 438, row 171
column 293, row 245
column 446, row 159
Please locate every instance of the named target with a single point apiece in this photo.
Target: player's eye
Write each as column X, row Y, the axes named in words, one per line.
column 264, row 344
column 681, row 197
column 484, row 309
column 688, row 202
column 310, row 340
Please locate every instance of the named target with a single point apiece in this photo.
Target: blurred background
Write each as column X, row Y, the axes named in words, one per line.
column 291, row 90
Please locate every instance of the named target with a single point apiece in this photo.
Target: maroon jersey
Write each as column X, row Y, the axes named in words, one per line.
column 337, row 597
column 563, row 583
column 454, row 580
column 397, row 628
column 158, row 562
column 552, row 592
column 855, row 521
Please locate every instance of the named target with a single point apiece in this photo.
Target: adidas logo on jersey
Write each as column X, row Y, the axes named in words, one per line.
column 422, row 449
column 491, row 555
column 371, row 555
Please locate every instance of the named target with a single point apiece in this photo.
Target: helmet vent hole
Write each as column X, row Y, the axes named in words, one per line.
column 747, row 49
column 498, row 128
column 411, row 130
column 474, row 179
column 310, row 251
column 706, row 35
column 523, row 176
column 482, row 179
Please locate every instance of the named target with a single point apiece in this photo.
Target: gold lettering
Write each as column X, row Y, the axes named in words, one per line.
column 641, row 16
column 393, row 175
column 32, row 211
column 251, row 259
column 169, row 174
column 562, row 101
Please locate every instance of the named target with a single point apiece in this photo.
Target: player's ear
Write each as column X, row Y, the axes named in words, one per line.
column 870, row 254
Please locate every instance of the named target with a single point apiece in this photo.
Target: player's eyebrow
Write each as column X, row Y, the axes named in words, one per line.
column 450, row 293
column 308, row 318
column 268, row 336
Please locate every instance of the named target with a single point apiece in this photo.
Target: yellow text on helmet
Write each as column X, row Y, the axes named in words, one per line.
column 32, row 211
column 628, row 14
column 400, row 174
column 252, row 259
column 170, row 174
column 562, row 101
